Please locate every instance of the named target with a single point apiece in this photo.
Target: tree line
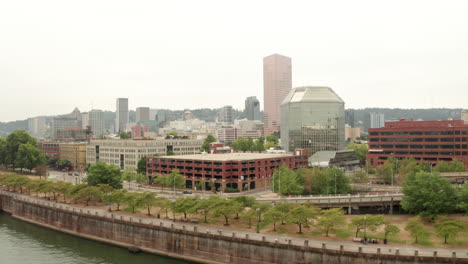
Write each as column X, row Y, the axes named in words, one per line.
column 254, row 213
column 20, row 151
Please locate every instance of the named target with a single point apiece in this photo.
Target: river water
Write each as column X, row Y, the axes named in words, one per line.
column 22, row 243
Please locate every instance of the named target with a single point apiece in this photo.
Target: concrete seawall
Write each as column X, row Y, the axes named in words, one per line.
column 188, row 244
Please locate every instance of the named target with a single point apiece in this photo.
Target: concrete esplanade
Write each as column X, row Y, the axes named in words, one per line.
column 200, row 244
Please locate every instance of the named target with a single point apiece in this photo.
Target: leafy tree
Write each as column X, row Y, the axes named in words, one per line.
column 245, row 201
column 258, row 146
column 428, row 195
column 206, row 143
column 88, row 193
column 447, row 229
column 272, row 139
column 52, row 161
column 3, row 151
column 287, row 182
column 176, row 179
column 416, row 228
column 301, row 215
column 161, row 180
column 164, row 204
column 132, row 200
column 101, row 173
column 284, row 209
column 331, row 219
column 390, row 230
column 148, row 200
column 185, row 205
column 170, row 153
column 463, row 198
column 62, row 164
column 365, row 222
column 360, row 177
column 249, row 215
column 452, row 166
column 242, row 144
column 323, row 181
column 41, row 170
column 359, row 149
column 141, row 166
column 115, row 197
column 13, row 143
column 273, row 216
column 124, row 135
column 227, row 209
column 205, row 206
column 29, row 156
column 31, row 186
column 73, row 191
column 63, row 188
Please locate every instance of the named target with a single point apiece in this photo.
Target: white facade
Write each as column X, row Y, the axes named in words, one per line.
column 96, row 122
column 126, row 153
column 121, row 114
column 376, row 120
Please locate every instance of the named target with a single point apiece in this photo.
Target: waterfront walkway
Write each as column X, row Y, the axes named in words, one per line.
column 344, row 245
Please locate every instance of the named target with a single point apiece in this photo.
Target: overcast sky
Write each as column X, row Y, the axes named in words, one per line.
column 55, row 55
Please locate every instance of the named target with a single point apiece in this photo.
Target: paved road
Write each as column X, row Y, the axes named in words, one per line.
column 347, row 245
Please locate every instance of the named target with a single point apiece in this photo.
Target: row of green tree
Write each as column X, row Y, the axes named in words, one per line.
column 315, row 181
column 395, row 170
column 241, row 207
column 245, row 144
column 20, row 150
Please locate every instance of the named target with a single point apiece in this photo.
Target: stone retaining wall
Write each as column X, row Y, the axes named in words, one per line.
column 189, row 244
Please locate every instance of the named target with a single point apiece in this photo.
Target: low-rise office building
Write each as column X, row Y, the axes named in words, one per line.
column 50, row 149
column 426, row 141
column 75, row 153
column 241, row 171
column 125, row 154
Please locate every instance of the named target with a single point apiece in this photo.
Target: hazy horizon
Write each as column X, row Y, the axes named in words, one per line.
column 57, row 55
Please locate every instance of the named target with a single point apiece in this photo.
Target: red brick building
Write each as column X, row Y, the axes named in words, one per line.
column 50, row 149
column 426, row 141
column 242, row 171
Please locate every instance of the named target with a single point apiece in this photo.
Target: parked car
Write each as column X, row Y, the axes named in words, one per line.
column 187, row 192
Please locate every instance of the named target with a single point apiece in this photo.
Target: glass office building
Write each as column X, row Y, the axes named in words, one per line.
column 312, row 117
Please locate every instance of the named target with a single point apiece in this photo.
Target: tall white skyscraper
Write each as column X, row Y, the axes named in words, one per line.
column 96, row 122
column 142, row 114
column 376, row 120
column 277, row 82
column 121, row 114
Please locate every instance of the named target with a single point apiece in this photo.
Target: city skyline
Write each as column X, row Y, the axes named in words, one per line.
column 51, row 58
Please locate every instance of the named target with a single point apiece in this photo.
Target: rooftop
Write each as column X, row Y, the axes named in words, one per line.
column 312, row 94
column 228, row 156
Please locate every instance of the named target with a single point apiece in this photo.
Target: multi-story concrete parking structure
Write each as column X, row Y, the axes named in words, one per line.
column 241, row 171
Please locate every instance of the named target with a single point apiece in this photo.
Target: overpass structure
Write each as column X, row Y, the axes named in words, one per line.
column 385, row 201
column 456, row 177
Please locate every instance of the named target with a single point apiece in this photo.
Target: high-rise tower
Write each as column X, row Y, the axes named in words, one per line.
column 252, row 108
column 277, row 82
column 121, row 114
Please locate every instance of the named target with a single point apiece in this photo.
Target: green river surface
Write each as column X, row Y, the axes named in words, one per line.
column 24, row 243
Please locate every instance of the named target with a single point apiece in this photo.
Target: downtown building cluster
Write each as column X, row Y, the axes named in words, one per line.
column 309, row 120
